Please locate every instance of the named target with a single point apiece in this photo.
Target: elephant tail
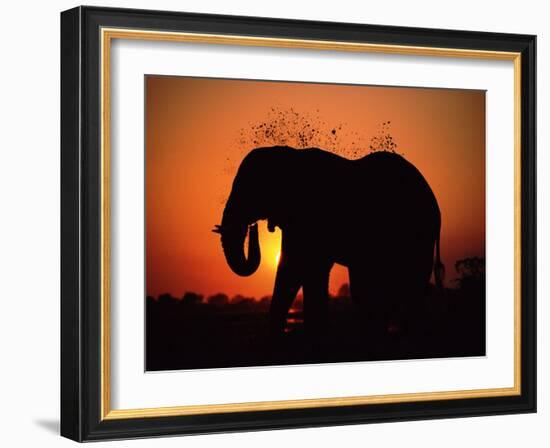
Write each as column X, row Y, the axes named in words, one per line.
column 439, row 268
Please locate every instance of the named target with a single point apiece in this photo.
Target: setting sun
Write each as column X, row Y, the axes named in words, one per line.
column 277, row 258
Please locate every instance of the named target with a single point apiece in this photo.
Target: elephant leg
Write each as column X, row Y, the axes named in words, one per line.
column 316, row 279
column 287, row 285
column 368, row 295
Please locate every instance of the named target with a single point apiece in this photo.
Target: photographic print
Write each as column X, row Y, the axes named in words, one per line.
column 260, row 201
column 297, row 223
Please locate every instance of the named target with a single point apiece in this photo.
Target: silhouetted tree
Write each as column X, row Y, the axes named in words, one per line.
column 218, row 299
column 237, row 298
column 472, row 273
column 264, row 302
column 471, row 267
column 166, row 298
column 192, row 298
column 242, row 302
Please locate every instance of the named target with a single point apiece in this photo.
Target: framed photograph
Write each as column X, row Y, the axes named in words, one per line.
column 273, row 223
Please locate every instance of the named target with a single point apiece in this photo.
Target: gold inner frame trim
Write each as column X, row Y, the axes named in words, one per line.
column 107, row 35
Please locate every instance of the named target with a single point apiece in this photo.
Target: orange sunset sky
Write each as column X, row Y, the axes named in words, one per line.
column 198, row 130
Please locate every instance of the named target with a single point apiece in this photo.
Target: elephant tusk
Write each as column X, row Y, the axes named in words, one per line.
column 217, row 229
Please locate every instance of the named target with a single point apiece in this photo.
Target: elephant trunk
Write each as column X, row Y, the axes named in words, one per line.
column 233, row 238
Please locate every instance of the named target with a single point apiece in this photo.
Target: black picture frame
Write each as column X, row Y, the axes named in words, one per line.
column 81, row 208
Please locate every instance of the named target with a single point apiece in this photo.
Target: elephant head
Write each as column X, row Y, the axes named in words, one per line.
column 250, row 200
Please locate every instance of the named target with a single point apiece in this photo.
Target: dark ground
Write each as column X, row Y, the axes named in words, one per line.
column 190, row 334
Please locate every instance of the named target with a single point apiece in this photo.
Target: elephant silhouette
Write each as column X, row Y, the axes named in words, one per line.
column 376, row 215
